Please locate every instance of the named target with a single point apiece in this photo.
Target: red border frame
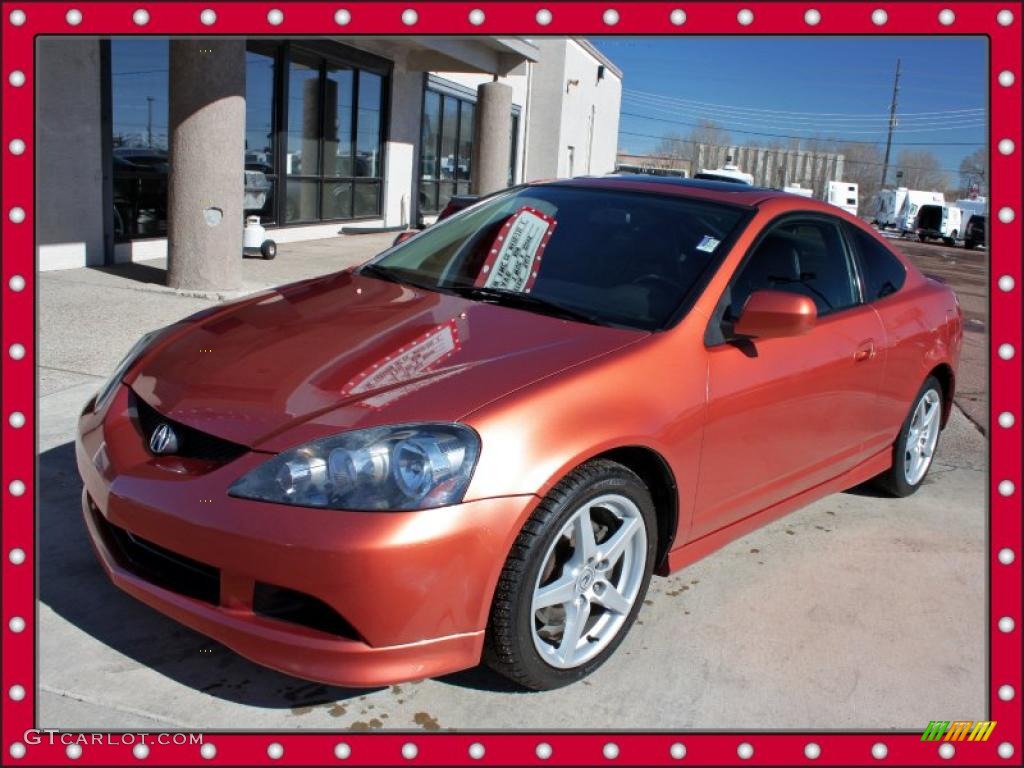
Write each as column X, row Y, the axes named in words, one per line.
column 583, row 18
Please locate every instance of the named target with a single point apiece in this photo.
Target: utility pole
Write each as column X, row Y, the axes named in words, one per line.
column 149, row 121
column 892, row 123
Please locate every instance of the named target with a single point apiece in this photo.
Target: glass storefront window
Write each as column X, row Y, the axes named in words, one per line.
column 338, row 122
column 259, row 132
column 303, row 158
column 368, row 125
column 139, row 137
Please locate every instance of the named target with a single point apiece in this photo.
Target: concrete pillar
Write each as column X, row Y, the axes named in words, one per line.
column 492, row 138
column 206, row 96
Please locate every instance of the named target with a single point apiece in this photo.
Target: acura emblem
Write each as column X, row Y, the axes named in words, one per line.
column 163, row 440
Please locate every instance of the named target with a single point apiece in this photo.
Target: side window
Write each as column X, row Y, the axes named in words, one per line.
column 883, row 272
column 798, row 256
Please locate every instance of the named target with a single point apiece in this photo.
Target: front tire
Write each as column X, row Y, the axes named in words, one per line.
column 575, row 579
column 915, row 446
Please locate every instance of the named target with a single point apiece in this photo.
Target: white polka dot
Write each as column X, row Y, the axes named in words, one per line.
column 17, row 351
column 17, row 556
column 1006, row 556
column 878, row 18
column 745, row 17
column 208, row 751
column 1006, row 625
column 946, row 17
column 677, row 751
column 1006, row 146
column 1006, row 351
column 409, row 17
column 1006, row 487
column 1005, row 750
column 543, row 750
column 1006, row 283
column 17, row 625
column 610, row 751
column 812, row 751
column 342, row 17
column 17, row 17
column 73, row 17
column 745, row 751
column 476, row 17
column 1005, row 17
column 275, row 16
column 476, row 750
column 16, row 283
column 677, row 17
column 879, row 751
column 17, row 147
column 1006, row 420
column 17, row 750
column 275, row 751
column 141, row 18
column 16, row 419
column 73, row 751
column 812, row 17
column 342, row 751
column 16, row 692
column 946, row 751
column 1006, row 78
column 208, row 17
column 16, row 214
column 17, row 488
column 544, row 17
column 610, row 17
column 16, row 78
column 1006, row 215
column 1006, row 693
column 141, row 751
column 410, row 750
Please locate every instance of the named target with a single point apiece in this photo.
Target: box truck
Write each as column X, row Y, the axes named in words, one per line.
column 842, row 194
column 906, row 217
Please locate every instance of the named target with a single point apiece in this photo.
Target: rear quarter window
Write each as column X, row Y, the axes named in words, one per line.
column 883, row 273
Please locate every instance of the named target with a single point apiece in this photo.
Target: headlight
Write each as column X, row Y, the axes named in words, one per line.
column 409, row 466
column 104, row 395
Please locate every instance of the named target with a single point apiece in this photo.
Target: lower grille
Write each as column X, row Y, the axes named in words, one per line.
column 298, row 608
column 159, row 566
column 193, row 444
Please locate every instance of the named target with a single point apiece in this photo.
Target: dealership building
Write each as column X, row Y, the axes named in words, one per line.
column 149, row 146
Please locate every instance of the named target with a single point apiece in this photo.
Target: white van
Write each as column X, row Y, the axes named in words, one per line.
column 728, row 172
column 906, row 218
column 842, row 194
column 940, row 221
column 887, row 205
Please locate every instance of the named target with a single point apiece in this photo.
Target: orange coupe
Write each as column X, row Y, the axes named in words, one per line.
column 482, row 443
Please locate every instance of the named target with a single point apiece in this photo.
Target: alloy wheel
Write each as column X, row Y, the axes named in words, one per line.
column 922, row 437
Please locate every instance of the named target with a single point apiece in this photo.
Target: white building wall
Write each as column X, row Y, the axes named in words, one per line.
column 590, row 115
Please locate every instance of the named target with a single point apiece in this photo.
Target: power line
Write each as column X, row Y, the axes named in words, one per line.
column 787, row 112
column 801, row 138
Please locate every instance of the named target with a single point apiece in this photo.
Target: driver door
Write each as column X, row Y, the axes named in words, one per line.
column 786, row 414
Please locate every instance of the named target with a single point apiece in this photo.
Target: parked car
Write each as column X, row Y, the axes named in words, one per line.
column 974, row 231
column 939, row 221
column 482, row 443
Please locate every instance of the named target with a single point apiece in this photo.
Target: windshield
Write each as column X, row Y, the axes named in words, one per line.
column 595, row 255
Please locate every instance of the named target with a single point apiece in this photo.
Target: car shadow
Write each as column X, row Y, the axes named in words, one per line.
column 73, row 584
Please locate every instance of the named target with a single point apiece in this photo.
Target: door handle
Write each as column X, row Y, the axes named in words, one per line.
column 865, row 351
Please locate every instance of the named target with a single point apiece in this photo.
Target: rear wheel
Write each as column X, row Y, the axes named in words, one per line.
column 915, row 446
column 575, row 578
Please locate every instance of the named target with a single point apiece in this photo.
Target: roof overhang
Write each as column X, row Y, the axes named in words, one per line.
column 488, row 55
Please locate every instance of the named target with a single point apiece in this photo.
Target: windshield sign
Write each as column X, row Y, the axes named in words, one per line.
column 592, row 255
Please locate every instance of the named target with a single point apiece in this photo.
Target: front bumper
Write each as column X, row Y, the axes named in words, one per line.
column 413, row 588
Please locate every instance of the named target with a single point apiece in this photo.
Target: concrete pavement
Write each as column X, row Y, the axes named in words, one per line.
column 856, row 612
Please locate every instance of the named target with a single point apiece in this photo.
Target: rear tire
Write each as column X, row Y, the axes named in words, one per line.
column 603, row 578
column 915, row 446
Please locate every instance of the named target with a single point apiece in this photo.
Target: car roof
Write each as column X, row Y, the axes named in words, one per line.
column 705, row 189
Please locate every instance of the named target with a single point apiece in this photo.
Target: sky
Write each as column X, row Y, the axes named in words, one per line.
column 805, row 85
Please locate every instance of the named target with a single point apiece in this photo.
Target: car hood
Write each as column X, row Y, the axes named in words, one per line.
column 347, row 351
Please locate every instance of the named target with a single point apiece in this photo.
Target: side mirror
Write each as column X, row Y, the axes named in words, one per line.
column 769, row 314
column 401, row 237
